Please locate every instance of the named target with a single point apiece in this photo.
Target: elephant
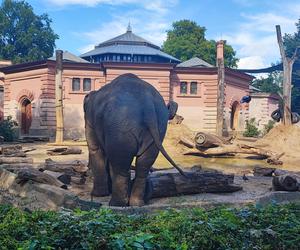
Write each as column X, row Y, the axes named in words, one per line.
column 125, row 119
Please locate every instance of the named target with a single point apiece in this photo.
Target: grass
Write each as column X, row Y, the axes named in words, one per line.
column 271, row 227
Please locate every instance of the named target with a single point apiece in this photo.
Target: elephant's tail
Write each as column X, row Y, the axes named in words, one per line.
column 154, row 131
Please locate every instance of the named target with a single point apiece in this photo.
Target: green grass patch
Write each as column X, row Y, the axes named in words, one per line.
column 271, row 227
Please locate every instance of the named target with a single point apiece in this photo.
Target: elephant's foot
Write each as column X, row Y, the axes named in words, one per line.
column 136, row 202
column 100, row 191
column 118, row 202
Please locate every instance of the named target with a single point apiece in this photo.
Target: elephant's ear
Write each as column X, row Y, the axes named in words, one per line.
column 172, row 107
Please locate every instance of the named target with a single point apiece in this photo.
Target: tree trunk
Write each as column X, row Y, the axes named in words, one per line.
column 260, row 171
column 8, row 160
column 171, row 183
column 62, row 177
column 35, row 175
column 64, row 151
column 59, row 97
column 204, row 140
column 285, row 183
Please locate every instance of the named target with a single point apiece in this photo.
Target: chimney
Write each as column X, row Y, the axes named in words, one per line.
column 220, row 50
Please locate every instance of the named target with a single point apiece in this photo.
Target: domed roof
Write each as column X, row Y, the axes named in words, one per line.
column 128, row 43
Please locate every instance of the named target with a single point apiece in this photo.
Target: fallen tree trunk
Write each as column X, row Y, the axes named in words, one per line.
column 14, row 168
column 8, row 160
column 64, row 151
column 75, row 168
column 231, row 150
column 35, row 175
column 285, row 183
column 4, row 150
column 187, row 142
column 204, row 140
column 261, row 171
column 62, row 177
column 171, row 183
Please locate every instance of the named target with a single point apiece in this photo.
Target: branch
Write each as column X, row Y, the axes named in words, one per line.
column 296, row 54
column 280, row 42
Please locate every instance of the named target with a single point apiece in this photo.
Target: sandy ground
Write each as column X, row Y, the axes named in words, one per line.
column 278, row 140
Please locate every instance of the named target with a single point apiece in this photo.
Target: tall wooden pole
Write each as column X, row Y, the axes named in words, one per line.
column 221, row 88
column 287, row 78
column 59, row 97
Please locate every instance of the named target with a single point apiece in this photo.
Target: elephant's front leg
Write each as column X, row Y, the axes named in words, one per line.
column 143, row 165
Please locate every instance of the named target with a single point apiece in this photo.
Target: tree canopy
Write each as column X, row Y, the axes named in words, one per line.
column 24, row 36
column 187, row 39
column 270, row 84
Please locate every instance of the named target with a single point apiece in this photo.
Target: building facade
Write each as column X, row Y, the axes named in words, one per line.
column 29, row 88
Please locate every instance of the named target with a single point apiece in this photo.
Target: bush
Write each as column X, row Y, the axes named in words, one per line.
column 268, row 127
column 8, row 129
column 251, row 129
column 271, row 227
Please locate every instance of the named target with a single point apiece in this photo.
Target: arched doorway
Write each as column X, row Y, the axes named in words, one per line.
column 235, row 113
column 26, row 115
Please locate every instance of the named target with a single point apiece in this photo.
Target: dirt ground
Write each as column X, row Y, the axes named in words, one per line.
column 278, row 140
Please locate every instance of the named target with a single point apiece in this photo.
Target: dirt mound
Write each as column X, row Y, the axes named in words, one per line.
column 282, row 139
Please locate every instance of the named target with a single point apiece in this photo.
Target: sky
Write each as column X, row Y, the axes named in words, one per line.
column 247, row 25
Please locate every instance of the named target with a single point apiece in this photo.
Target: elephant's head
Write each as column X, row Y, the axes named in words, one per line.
column 172, row 107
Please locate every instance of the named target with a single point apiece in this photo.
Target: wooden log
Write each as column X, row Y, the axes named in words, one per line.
column 78, row 180
column 186, row 142
column 261, row 171
column 35, row 175
column 62, row 177
column 7, row 149
column 14, row 168
column 285, row 183
column 64, row 151
column 9, row 160
column 231, row 150
column 171, row 183
column 205, row 140
column 74, row 168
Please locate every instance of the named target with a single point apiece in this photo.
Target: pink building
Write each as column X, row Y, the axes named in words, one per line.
column 29, row 88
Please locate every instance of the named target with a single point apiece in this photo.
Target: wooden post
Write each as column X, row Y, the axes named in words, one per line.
column 287, row 78
column 59, row 97
column 221, row 94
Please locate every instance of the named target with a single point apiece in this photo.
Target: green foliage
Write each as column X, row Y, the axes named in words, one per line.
column 187, row 39
column 268, row 127
column 251, row 128
column 291, row 42
column 8, row 129
column 24, row 36
column 271, row 84
column 271, row 227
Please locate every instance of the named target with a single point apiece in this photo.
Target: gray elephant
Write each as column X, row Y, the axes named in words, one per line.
column 126, row 118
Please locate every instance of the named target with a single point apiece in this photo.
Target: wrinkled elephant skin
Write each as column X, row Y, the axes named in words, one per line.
column 126, row 118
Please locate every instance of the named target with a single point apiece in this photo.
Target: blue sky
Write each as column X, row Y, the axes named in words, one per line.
column 247, row 25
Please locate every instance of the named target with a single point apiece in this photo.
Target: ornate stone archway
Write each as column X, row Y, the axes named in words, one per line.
column 25, row 98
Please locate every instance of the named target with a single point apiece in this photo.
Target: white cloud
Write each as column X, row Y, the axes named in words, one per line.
column 251, row 62
column 86, row 48
column 255, row 38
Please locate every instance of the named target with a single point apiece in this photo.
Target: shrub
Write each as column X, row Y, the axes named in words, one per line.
column 251, row 129
column 8, row 129
column 270, row 227
column 268, row 127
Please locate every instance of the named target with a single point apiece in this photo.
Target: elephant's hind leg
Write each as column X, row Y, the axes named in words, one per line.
column 97, row 165
column 120, row 184
column 143, row 165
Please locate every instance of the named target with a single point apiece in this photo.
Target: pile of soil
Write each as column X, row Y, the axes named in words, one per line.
column 283, row 139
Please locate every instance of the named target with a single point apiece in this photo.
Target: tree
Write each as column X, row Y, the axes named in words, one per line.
column 187, row 39
column 270, row 84
column 291, row 42
column 24, row 36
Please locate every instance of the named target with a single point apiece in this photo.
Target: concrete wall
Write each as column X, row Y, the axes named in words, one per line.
column 261, row 107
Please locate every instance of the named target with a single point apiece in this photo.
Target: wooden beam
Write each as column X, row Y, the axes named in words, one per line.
column 59, row 97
